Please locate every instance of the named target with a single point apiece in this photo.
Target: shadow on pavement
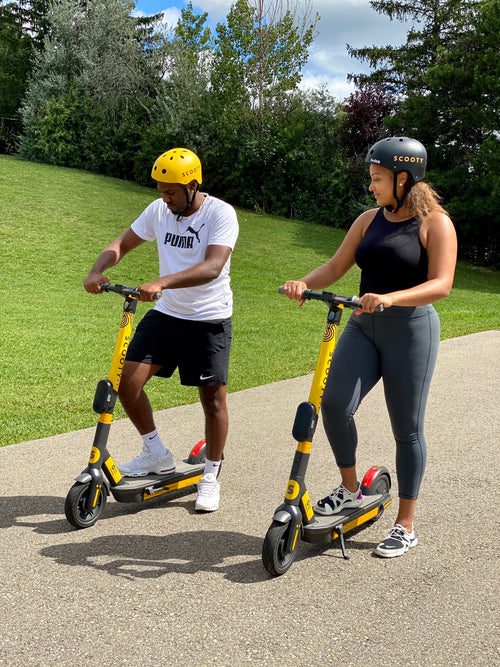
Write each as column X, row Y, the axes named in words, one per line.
column 236, row 556
column 30, row 511
column 151, row 557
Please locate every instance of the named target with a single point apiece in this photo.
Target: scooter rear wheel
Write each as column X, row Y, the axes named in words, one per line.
column 198, row 453
column 74, row 506
column 275, row 560
column 376, row 480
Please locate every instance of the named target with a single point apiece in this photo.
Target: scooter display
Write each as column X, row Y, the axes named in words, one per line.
column 295, row 519
column 86, row 499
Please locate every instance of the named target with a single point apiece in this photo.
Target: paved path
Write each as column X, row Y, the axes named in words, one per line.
column 163, row 585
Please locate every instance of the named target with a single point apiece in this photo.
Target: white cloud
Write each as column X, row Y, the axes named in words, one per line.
column 339, row 87
column 170, row 17
column 342, row 22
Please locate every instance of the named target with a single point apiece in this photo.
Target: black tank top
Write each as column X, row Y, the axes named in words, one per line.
column 391, row 256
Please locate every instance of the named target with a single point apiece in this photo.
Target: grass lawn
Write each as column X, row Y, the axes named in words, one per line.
column 56, row 340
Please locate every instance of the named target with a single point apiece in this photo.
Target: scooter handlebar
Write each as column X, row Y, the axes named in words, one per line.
column 353, row 302
column 125, row 291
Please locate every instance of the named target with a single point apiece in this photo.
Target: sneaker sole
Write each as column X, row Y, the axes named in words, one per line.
column 346, row 506
column 149, row 472
column 206, row 509
column 395, row 553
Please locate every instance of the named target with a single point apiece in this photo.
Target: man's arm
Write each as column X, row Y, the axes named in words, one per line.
column 204, row 272
column 109, row 257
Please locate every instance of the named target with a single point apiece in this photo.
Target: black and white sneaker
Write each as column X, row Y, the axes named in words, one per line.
column 397, row 542
column 339, row 499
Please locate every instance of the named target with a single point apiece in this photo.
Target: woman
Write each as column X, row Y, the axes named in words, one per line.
column 406, row 250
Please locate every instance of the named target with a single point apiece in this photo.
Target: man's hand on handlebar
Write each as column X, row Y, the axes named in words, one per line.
column 150, row 291
column 93, row 282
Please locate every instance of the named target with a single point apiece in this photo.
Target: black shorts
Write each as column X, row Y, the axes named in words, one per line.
column 200, row 350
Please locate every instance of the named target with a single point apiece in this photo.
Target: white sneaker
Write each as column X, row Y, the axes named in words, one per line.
column 339, row 499
column 146, row 463
column 397, row 542
column 208, row 497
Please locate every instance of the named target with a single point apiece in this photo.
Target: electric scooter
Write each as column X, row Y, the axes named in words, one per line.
column 295, row 517
column 87, row 497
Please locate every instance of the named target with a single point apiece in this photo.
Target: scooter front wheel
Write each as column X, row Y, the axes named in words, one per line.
column 274, row 558
column 75, row 506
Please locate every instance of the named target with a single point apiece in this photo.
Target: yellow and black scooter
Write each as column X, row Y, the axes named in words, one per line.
column 87, row 497
column 295, row 518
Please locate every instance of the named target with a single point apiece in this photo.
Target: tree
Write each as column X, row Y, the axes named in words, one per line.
column 366, row 111
column 180, row 113
column 15, row 57
column 438, row 24
column 447, row 78
column 22, row 29
column 92, row 71
column 259, row 54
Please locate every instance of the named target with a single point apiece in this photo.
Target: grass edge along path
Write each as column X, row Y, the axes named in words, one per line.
column 56, row 340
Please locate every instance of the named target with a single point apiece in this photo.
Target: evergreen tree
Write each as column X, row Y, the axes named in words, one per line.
column 447, row 79
column 22, row 29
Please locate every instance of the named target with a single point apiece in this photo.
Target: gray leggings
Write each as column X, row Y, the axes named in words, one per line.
column 399, row 345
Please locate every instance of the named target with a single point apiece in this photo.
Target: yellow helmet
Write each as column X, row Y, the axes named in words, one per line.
column 178, row 165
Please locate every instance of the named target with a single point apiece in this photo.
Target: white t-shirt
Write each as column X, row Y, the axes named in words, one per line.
column 183, row 244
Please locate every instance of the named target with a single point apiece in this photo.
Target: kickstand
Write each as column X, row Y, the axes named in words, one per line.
column 340, row 532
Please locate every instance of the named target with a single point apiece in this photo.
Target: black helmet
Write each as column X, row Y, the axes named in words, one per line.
column 399, row 154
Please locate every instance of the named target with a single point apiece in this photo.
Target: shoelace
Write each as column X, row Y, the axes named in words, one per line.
column 397, row 532
column 207, row 489
column 145, row 454
column 337, row 495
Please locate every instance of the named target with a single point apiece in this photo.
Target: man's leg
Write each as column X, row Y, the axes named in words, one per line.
column 155, row 457
column 133, row 397
column 213, row 401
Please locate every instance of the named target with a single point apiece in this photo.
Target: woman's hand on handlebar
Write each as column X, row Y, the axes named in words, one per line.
column 293, row 290
column 150, row 291
column 93, row 282
column 372, row 302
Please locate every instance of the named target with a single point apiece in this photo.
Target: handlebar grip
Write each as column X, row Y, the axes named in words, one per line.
column 357, row 301
column 119, row 289
column 306, row 292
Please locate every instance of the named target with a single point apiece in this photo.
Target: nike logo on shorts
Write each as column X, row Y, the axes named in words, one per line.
column 206, row 377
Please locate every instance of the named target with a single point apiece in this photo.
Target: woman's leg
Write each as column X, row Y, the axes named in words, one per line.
column 409, row 351
column 354, row 372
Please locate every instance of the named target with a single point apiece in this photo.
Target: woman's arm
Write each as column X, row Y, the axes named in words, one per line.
column 337, row 266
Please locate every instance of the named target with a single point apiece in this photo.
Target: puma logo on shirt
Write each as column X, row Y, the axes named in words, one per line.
column 180, row 241
column 193, row 231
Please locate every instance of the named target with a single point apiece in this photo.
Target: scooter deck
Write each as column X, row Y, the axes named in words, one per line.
column 322, row 530
column 136, row 489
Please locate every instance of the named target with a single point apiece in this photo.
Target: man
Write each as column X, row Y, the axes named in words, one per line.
column 189, row 327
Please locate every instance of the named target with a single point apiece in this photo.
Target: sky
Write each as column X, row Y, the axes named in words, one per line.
column 341, row 22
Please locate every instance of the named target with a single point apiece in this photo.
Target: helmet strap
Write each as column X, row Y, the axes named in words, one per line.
column 399, row 200
column 189, row 201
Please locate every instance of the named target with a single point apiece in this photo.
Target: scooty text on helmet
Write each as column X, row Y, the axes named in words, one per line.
column 407, row 158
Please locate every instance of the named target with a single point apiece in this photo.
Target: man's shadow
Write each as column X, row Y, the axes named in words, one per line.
column 29, row 510
column 235, row 555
